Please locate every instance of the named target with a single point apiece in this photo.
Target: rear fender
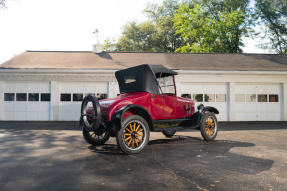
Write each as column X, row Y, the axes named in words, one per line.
column 135, row 109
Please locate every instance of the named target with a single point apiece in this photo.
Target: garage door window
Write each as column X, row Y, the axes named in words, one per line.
column 273, row 98
column 77, row 97
column 21, row 97
column 240, row 97
column 262, row 97
column 186, row 96
column 9, row 97
column 65, row 97
column 198, row 97
column 45, row 97
column 220, row 98
column 33, row 97
column 101, row 96
column 209, row 97
column 250, row 97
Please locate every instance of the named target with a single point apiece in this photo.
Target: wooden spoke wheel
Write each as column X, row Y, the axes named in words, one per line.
column 133, row 135
column 209, row 126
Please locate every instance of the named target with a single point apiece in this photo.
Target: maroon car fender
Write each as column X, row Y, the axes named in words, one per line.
column 137, row 109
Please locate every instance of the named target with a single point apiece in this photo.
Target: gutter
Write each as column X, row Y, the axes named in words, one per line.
column 112, row 71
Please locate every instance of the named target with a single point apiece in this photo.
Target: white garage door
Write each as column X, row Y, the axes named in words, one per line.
column 261, row 102
column 71, row 95
column 26, row 101
column 209, row 94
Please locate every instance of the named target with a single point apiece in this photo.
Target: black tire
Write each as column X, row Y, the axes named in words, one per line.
column 169, row 134
column 96, row 138
column 91, row 121
column 209, row 126
column 133, row 135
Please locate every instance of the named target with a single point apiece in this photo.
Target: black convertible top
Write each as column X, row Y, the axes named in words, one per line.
column 142, row 78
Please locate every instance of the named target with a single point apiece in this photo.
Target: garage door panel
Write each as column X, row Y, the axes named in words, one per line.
column 202, row 89
column 261, row 109
column 70, row 110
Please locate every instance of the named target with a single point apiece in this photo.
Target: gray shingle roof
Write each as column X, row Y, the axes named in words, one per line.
column 120, row 60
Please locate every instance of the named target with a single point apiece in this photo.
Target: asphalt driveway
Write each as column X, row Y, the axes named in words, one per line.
column 53, row 156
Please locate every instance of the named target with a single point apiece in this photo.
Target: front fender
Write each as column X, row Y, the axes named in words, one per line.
column 196, row 118
column 118, row 115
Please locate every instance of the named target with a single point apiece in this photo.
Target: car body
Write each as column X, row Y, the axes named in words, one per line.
column 149, row 99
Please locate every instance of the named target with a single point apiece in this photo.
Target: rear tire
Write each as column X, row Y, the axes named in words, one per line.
column 169, row 134
column 209, row 126
column 133, row 135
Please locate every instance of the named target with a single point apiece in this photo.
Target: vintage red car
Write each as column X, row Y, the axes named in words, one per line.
column 147, row 102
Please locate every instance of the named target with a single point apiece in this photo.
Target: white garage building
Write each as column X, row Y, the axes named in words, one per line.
column 49, row 85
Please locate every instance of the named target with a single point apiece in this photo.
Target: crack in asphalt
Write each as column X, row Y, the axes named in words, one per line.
column 174, row 173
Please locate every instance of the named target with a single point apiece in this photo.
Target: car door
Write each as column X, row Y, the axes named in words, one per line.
column 157, row 102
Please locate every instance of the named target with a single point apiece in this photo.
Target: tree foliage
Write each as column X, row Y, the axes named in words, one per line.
column 205, row 26
column 155, row 35
column 212, row 26
column 273, row 15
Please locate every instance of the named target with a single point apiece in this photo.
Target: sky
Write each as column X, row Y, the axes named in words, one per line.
column 69, row 24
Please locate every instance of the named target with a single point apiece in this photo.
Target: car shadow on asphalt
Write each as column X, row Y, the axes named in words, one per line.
column 222, row 154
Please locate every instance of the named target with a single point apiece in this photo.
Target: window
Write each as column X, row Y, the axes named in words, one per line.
column 250, row 97
column 198, row 97
column 9, row 97
column 220, row 98
column 262, row 98
column 209, row 97
column 186, row 96
column 45, row 97
column 239, row 97
column 273, row 98
column 166, row 85
column 65, row 97
column 101, row 96
column 21, row 97
column 33, row 97
column 77, row 97
column 86, row 94
column 130, row 78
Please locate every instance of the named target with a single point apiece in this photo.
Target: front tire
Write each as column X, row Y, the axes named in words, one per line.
column 133, row 135
column 209, row 126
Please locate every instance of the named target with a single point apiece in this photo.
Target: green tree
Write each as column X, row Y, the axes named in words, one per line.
column 156, row 35
column 273, row 15
column 137, row 37
column 212, row 26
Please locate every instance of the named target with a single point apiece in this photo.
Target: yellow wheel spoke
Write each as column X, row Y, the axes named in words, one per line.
column 127, row 134
column 140, row 130
column 133, row 144
column 128, row 130
column 131, row 127
column 129, row 142
column 127, row 138
column 138, row 127
column 139, row 135
column 134, row 126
